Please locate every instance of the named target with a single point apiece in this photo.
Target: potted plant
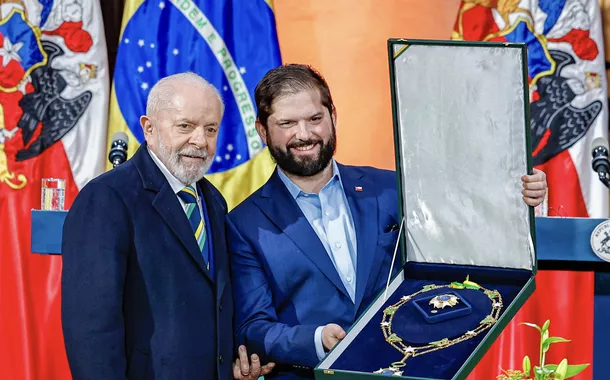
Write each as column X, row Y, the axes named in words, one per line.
column 544, row 371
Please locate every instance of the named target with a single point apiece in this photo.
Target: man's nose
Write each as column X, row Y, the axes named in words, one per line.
column 199, row 138
column 303, row 131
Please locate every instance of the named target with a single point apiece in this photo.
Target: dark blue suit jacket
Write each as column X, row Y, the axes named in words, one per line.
column 137, row 301
column 284, row 282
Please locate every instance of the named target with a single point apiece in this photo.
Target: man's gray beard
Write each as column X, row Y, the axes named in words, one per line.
column 187, row 173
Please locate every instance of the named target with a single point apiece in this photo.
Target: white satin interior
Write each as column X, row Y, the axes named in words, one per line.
column 463, row 152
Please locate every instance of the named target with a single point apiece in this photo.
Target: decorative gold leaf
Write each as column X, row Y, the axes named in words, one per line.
column 488, row 319
column 440, row 343
column 456, row 285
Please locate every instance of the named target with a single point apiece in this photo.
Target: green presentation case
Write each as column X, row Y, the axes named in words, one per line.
column 462, row 143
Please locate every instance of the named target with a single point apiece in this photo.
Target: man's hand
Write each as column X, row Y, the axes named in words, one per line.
column 331, row 335
column 249, row 370
column 534, row 188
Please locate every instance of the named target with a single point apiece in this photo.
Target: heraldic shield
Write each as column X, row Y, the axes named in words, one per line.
column 22, row 53
column 31, row 94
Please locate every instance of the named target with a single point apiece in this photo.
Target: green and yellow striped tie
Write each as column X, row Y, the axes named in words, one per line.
column 189, row 196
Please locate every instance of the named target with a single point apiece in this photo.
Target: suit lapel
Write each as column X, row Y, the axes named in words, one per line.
column 362, row 199
column 279, row 206
column 216, row 215
column 167, row 205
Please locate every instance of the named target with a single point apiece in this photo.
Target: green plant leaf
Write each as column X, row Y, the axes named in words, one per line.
column 531, row 325
column 527, row 365
column 560, row 371
column 544, row 370
column 545, row 327
column 554, row 339
column 573, row 369
column 545, row 336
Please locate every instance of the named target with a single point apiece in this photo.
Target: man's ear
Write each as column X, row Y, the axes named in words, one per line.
column 146, row 124
column 262, row 131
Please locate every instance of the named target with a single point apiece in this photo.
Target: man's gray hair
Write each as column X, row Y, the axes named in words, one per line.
column 161, row 94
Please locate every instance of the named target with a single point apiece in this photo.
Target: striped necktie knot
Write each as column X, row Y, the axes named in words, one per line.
column 188, row 195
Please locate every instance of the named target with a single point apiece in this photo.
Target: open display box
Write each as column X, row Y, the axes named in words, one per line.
column 467, row 242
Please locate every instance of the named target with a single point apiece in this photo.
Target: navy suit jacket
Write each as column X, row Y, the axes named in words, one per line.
column 137, row 301
column 285, row 284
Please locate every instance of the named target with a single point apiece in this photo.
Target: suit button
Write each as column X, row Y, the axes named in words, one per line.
column 220, row 307
column 220, row 359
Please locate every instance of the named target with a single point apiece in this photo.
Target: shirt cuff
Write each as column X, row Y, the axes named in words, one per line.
column 317, row 338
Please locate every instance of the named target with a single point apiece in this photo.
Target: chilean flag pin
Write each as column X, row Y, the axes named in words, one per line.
column 358, row 188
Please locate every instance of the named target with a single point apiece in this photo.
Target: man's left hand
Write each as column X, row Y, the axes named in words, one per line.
column 534, row 188
column 244, row 369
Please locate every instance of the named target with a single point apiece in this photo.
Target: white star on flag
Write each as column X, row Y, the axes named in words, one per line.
column 148, row 64
column 140, row 43
column 175, row 51
column 10, row 51
column 140, row 69
column 162, row 5
column 242, row 70
column 144, row 86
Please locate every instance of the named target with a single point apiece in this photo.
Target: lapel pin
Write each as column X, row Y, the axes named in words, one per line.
column 358, row 188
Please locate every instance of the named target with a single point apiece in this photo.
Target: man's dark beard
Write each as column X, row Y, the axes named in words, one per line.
column 304, row 166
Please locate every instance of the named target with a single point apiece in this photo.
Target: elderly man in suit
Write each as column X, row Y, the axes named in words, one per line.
column 146, row 292
column 311, row 248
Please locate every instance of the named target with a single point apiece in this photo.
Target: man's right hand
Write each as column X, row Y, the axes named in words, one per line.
column 331, row 335
column 242, row 370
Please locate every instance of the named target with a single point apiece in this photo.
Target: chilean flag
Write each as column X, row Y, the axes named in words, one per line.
column 568, row 111
column 53, row 121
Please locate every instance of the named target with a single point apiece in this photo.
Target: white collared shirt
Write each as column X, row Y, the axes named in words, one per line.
column 329, row 215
